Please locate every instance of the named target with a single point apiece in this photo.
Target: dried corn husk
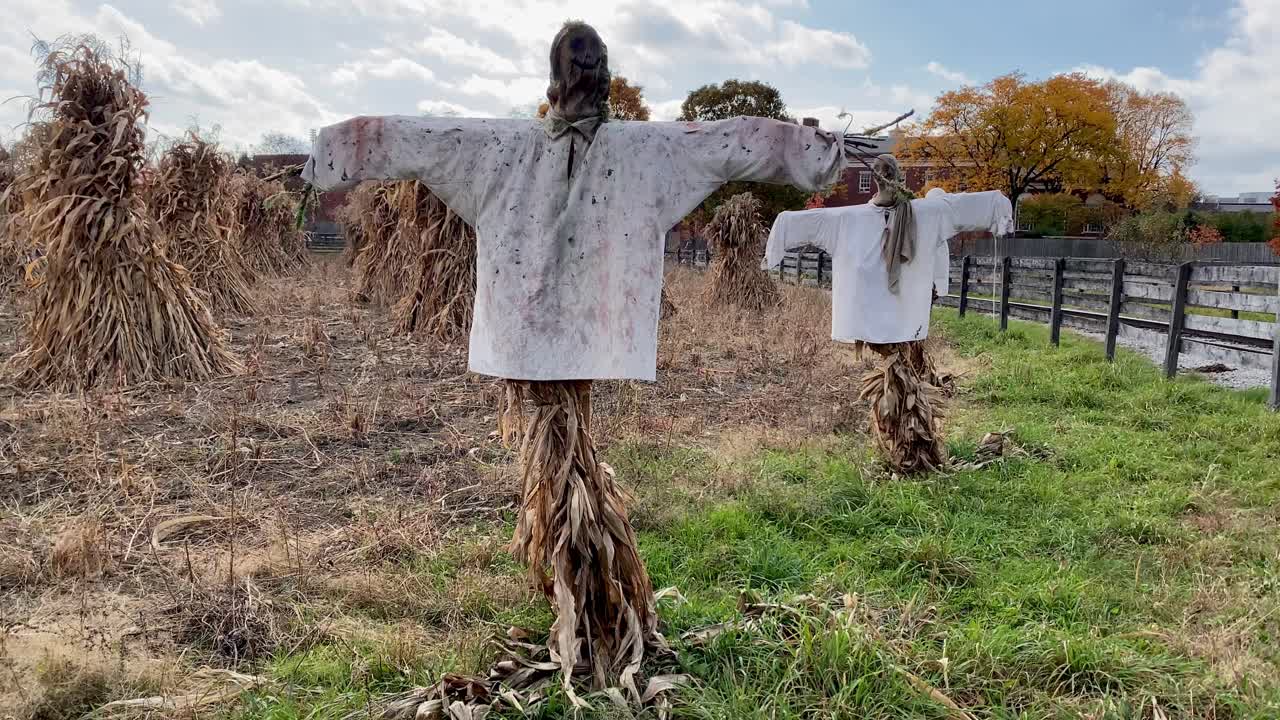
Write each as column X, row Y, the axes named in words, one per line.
column 442, row 289
column 905, row 407
column 668, row 307
column 575, row 538
column 386, row 258
column 267, row 236
column 193, row 200
column 10, row 256
column 110, row 307
column 737, row 236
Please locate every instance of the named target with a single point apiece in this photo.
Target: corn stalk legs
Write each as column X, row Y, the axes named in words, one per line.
column 577, row 542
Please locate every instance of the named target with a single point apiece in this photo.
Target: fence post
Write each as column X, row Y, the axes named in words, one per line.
column 964, row 285
column 820, row 255
column 1177, row 319
column 1274, row 401
column 1113, row 313
column 1235, row 313
column 1006, row 265
column 799, row 262
column 1055, row 315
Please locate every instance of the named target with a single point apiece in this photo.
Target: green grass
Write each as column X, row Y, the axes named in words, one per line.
column 1128, row 560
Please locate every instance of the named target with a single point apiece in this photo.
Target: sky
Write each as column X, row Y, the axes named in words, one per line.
column 249, row 67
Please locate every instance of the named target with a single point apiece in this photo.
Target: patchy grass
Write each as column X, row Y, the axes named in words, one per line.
column 1121, row 564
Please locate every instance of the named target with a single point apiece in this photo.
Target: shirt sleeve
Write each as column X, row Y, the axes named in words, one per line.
column 818, row 228
column 764, row 150
column 452, row 156
column 981, row 211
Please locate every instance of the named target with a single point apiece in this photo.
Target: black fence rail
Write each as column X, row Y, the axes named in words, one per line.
column 1221, row 311
column 326, row 242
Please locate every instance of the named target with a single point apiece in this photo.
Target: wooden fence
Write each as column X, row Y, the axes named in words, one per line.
column 1224, row 312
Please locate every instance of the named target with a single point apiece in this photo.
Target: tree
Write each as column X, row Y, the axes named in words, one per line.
column 1014, row 135
column 734, row 98
column 275, row 142
column 1153, row 145
column 1275, row 203
column 626, row 101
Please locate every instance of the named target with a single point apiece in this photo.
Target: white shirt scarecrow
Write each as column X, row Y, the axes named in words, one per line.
column 570, row 218
column 863, row 305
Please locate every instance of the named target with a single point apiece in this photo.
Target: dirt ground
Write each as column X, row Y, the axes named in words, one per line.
column 162, row 529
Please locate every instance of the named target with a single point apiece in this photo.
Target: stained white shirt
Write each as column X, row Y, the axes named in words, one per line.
column 569, row 232
column 862, row 307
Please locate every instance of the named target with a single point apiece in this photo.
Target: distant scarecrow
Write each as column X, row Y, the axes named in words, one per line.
column 886, row 258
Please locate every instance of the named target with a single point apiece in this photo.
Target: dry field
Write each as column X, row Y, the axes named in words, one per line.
column 155, row 538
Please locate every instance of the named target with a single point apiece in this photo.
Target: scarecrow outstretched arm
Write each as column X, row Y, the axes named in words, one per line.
column 764, row 150
column 817, row 228
column 988, row 211
column 449, row 155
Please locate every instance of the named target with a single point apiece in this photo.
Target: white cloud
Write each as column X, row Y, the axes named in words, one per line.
column 666, row 109
column 199, row 11
column 454, row 50
column 800, row 45
column 1235, row 96
column 244, row 96
column 951, row 76
column 445, row 108
column 515, row 91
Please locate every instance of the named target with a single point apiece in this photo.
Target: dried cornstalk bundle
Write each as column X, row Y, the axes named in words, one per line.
column 905, row 407
column 386, row 258
column 110, row 307
column 268, row 240
column 443, row 287
column 574, row 536
column 282, row 219
column 193, row 200
column 668, row 307
column 10, row 256
column 358, row 201
column 737, row 236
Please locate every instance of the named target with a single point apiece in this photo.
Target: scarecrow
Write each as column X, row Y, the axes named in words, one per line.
column 570, row 213
column 884, row 255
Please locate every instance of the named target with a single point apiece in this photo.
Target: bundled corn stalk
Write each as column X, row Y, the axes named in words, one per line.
column 574, row 536
column 269, row 241
column 10, row 257
column 442, row 289
column 904, row 402
column 738, row 237
column 348, row 217
column 193, row 199
column 385, row 259
column 111, row 308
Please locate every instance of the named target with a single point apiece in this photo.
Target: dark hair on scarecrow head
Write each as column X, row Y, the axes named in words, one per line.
column 599, row 97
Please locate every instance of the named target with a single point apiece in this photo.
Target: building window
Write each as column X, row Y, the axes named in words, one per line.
column 1092, row 229
column 864, row 181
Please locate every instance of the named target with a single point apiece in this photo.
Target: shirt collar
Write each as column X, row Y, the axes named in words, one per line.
column 556, row 126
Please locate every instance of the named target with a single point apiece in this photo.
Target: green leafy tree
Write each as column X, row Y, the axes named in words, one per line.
column 735, row 98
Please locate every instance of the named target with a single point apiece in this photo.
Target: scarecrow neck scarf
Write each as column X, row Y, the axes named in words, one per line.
column 898, row 241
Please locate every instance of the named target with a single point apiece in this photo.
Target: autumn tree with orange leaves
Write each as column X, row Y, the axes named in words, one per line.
column 1153, row 145
column 1013, row 134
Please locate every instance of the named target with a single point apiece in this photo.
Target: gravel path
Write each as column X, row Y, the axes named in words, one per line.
column 1154, row 348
